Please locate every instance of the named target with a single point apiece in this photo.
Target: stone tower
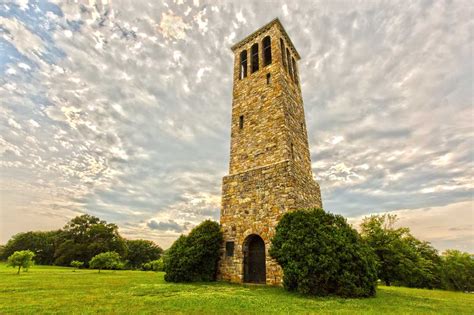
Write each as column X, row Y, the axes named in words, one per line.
column 270, row 167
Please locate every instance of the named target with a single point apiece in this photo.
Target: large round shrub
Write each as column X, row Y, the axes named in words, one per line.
column 321, row 255
column 194, row 257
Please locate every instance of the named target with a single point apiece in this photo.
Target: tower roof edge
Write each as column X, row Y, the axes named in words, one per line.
column 264, row 29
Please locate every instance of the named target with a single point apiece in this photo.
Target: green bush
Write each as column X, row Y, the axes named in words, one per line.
column 322, row 255
column 194, row 257
column 154, row 265
column 107, row 260
column 21, row 259
column 146, row 266
column 76, row 264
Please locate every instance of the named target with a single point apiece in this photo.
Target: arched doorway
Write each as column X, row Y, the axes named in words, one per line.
column 254, row 259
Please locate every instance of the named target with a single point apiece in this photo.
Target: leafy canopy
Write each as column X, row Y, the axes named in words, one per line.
column 140, row 252
column 107, row 260
column 21, row 259
column 321, row 255
column 76, row 264
column 43, row 244
column 402, row 259
column 86, row 236
column 194, row 257
column 154, row 265
column 457, row 271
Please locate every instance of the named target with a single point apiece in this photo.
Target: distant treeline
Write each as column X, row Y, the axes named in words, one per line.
column 81, row 239
column 401, row 259
column 404, row 260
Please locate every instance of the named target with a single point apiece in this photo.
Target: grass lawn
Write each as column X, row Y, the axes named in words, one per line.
column 47, row 289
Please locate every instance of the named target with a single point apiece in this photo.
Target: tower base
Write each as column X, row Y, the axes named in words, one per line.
column 252, row 204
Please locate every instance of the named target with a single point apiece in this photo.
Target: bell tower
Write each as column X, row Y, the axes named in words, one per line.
column 270, row 167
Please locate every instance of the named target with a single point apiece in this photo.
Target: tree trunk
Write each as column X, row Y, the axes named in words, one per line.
column 387, row 283
column 19, row 267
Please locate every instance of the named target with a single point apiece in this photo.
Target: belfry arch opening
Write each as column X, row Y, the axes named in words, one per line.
column 254, row 57
column 254, row 259
column 243, row 64
column 267, row 51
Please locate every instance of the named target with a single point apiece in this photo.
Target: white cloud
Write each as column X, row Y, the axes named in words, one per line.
column 201, row 73
column 240, row 17
column 125, row 110
column 11, row 71
column 24, row 66
column 201, row 21
column 22, row 38
column 14, row 124
column 23, row 4
column 33, row 123
column 68, row 33
column 336, row 139
column 172, row 26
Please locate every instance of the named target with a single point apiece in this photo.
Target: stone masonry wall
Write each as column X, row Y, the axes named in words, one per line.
column 262, row 141
column 253, row 202
column 270, row 167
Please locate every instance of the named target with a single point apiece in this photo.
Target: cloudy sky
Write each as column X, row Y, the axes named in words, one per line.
column 121, row 109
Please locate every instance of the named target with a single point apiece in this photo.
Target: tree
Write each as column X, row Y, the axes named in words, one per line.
column 421, row 265
column 154, row 265
column 141, row 251
column 107, row 260
column 21, row 259
column 86, row 236
column 194, row 257
column 43, row 244
column 402, row 259
column 76, row 264
column 385, row 240
column 457, row 271
column 320, row 254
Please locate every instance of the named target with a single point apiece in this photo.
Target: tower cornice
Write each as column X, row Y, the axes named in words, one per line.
column 263, row 29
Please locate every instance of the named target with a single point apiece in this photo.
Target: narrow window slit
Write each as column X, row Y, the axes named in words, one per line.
column 288, row 60
column 241, row 122
column 282, row 49
column 269, row 80
column 254, row 56
column 243, row 64
column 295, row 71
column 267, row 51
column 229, row 249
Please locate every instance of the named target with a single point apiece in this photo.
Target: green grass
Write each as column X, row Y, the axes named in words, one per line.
column 47, row 289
